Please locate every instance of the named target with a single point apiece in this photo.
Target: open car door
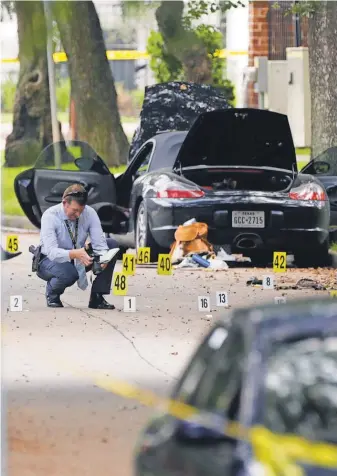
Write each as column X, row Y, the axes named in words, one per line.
column 324, row 168
column 62, row 164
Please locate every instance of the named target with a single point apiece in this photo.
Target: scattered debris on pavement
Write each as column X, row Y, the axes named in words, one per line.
column 326, row 281
column 192, row 249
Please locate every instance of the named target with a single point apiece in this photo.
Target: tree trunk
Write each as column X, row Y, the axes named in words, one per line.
column 32, row 129
column 92, row 85
column 322, row 39
column 183, row 43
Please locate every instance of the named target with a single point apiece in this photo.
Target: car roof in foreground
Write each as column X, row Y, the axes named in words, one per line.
column 299, row 313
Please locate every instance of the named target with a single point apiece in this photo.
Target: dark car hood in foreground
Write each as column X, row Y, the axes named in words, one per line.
column 174, row 106
column 248, row 137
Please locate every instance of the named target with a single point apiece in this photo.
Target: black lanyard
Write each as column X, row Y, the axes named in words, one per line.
column 72, row 237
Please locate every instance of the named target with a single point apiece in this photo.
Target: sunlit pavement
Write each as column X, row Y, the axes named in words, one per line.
column 59, row 421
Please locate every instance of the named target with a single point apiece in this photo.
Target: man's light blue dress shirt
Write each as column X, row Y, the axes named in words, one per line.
column 55, row 240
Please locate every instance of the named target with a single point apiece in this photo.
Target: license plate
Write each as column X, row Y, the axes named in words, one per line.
column 248, row 219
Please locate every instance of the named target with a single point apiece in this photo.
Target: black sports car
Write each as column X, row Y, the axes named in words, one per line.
column 235, row 169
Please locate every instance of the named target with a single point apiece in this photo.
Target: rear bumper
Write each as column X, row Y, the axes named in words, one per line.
column 288, row 227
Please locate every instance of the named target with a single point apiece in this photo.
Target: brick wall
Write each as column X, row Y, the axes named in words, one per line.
column 258, row 39
column 280, row 31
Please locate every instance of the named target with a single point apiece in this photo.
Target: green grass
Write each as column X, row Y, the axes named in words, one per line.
column 10, row 205
column 333, row 247
column 303, row 151
column 301, row 164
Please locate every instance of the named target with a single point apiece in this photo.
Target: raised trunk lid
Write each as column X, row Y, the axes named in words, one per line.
column 239, row 137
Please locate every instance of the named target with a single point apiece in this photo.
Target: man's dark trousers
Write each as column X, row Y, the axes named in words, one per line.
column 60, row 276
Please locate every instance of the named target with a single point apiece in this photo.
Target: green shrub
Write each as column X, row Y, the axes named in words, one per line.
column 167, row 67
column 63, row 90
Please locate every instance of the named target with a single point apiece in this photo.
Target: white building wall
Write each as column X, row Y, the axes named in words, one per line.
column 9, row 47
column 237, row 40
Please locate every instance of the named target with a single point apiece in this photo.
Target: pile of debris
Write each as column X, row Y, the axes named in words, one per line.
column 192, row 249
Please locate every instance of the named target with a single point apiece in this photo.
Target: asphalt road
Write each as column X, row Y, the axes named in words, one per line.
column 58, row 419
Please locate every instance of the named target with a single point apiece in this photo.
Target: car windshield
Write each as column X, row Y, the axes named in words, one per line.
column 61, row 155
column 301, row 389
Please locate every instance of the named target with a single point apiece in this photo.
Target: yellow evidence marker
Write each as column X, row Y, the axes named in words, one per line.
column 12, row 243
column 164, row 264
column 129, row 264
column 280, row 262
column 120, row 284
column 143, row 256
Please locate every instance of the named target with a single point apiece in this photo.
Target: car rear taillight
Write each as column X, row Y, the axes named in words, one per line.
column 308, row 191
column 183, row 193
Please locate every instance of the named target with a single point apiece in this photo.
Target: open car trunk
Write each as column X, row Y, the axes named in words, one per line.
column 231, row 179
column 252, row 138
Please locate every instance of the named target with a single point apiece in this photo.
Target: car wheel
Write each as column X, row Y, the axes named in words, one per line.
column 315, row 257
column 144, row 238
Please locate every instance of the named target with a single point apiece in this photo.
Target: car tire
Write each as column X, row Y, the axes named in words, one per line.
column 315, row 257
column 143, row 234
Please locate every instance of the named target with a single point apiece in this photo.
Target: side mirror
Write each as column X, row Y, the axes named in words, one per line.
column 321, row 167
column 84, row 163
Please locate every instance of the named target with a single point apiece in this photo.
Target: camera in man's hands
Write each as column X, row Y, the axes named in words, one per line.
column 96, row 266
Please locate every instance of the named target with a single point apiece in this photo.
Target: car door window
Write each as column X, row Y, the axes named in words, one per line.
column 214, row 380
column 142, row 161
column 301, row 389
column 62, row 155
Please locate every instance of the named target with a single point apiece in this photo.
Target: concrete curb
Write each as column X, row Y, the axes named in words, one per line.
column 20, row 223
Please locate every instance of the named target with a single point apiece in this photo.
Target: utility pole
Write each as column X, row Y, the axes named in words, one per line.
column 52, row 89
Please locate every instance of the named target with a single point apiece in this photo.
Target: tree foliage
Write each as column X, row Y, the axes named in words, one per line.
column 305, row 8
column 92, row 84
column 32, row 129
column 167, row 53
column 8, row 7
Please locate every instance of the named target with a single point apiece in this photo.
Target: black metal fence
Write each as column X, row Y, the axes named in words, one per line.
column 285, row 29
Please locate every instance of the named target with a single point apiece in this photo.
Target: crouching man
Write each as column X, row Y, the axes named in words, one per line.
column 64, row 230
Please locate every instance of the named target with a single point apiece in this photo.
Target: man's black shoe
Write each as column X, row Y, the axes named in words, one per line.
column 54, row 302
column 97, row 301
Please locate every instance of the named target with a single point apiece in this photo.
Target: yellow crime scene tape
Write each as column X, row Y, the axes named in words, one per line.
column 61, row 57
column 279, row 454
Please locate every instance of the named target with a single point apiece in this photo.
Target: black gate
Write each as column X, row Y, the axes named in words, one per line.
column 285, row 29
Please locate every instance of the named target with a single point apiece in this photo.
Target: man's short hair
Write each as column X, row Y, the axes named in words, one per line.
column 76, row 192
